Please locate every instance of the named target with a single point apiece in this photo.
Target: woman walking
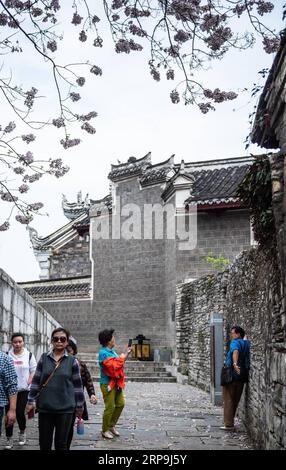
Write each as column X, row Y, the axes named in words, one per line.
column 57, row 391
column 25, row 366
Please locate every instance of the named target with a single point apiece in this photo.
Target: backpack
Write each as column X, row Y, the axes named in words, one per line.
column 243, row 362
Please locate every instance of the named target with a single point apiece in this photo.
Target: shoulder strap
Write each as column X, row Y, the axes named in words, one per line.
column 30, row 356
column 242, row 352
column 51, row 375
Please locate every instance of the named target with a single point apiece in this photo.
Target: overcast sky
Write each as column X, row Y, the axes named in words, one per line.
column 135, row 116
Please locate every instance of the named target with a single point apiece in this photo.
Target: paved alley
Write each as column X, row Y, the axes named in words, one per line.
column 157, row 416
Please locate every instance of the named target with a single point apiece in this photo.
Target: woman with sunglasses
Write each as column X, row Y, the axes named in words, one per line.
column 57, row 392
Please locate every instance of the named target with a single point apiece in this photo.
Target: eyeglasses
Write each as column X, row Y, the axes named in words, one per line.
column 62, row 339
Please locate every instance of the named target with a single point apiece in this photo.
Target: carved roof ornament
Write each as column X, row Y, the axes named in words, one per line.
column 73, row 209
column 131, row 168
column 34, row 238
column 158, row 173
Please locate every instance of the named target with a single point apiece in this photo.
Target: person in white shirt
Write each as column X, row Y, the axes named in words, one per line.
column 25, row 365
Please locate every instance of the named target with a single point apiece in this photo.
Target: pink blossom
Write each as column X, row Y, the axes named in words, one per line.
column 88, row 128
column 11, row 126
column 271, row 45
column 34, row 177
column 96, row 70
column 182, row 36
column 175, row 97
column 28, row 158
column 82, row 36
column 23, row 188
column 170, row 74
column 19, row 170
column 7, row 197
column 28, row 138
column 35, row 206
column 4, row 226
column 67, row 143
column 98, row 42
column 52, row 45
column 264, row 7
column 24, row 219
column 76, row 19
column 75, row 96
column 80, row 81
column 59, row 122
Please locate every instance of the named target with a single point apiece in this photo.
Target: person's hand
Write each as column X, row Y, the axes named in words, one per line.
column 10, row 417
column 93, row 399
column 30, row 407
column 236, row 368
column 129, row 350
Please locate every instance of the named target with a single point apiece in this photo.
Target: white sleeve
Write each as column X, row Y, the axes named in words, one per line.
column 32, row 365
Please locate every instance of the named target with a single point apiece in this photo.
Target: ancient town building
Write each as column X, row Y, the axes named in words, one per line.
column 117, row 261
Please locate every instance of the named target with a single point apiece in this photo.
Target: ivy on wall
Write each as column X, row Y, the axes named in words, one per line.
column 255, row 191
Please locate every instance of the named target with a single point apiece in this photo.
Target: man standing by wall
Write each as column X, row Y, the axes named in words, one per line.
column 8, row 389
column 238, row 357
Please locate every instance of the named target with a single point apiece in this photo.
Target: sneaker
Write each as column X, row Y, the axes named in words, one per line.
column 9, row 443
column 227, row 428
column 22, row 438
column 114, row 431
column 107, row 435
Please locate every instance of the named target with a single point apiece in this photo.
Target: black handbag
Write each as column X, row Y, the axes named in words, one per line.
column 226, row 376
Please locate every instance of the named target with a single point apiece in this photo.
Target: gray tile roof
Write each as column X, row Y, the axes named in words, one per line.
column 272, row 102
column 132, row 168
column 52, row 289
column 217, row 185
column 155, row 174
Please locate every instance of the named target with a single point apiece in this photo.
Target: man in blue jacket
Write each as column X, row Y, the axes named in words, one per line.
column 238, row 357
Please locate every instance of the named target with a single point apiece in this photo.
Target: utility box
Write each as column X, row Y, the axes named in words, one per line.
column 216, row 357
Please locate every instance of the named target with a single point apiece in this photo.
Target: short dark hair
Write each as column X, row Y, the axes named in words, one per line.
column 72, row 345
column 105, row 336
column 14, row 335
column 57, row 330
column 240, row 331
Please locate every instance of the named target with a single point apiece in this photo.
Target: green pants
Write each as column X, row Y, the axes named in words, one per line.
column 114, row 403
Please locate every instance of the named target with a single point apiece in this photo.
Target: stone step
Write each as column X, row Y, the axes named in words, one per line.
column 130, row 363
column 139, row 373
column 132, row 369
column 145, row 379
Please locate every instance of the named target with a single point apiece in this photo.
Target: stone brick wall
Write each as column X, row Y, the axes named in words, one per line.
column 75, row 315
column 134, row 281
column 20, row 313
column 249, row 294
column 71, row 260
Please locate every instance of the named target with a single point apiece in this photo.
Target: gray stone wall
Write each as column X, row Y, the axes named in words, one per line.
column 75, row 315
column 71, row 260
column 225, row 232
column 249, row 294
column 134, row 280
column 20, row 313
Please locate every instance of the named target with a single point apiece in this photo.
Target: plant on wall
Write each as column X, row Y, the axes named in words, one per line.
column 255, row 192
column 219, row 263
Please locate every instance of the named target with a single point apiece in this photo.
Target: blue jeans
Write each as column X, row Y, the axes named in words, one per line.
column 1, row 417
